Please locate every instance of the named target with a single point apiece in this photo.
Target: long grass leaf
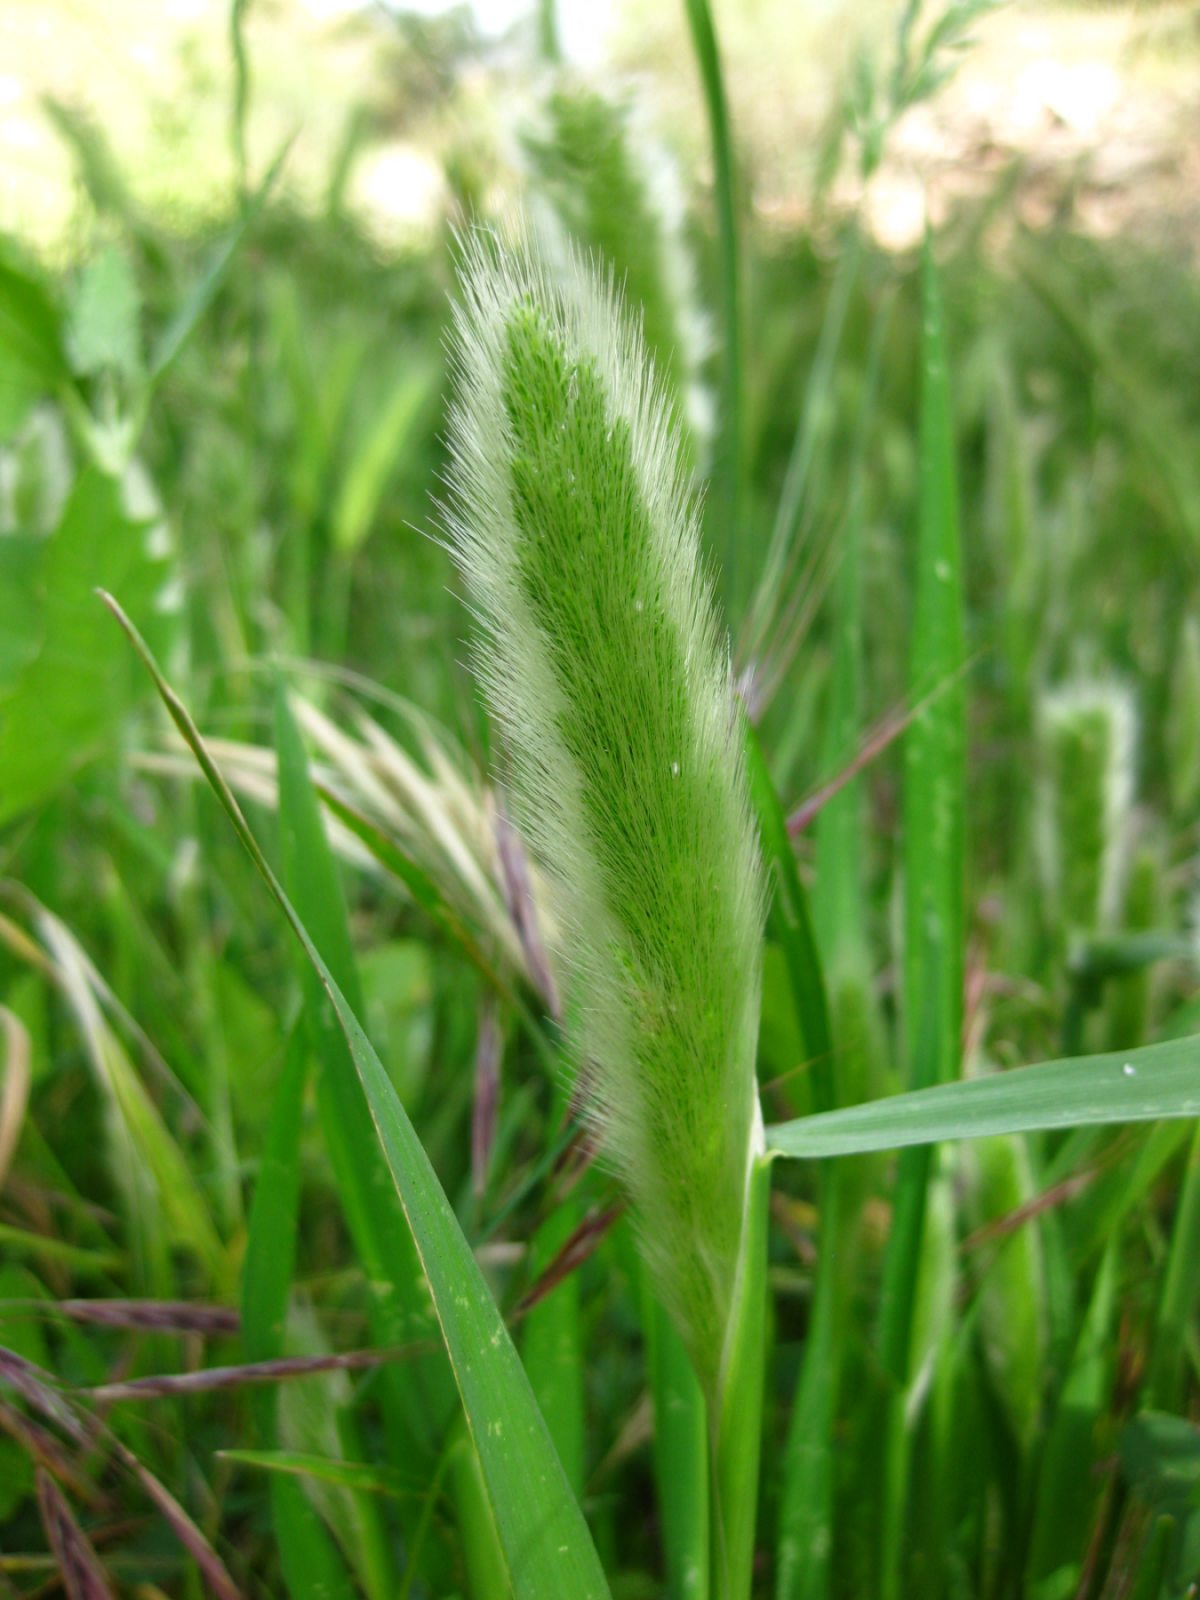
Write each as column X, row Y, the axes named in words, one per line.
column 313, row 1568
column 400, row 1313
column 934, row 801
column 546, row 1542
column 1158, row 1081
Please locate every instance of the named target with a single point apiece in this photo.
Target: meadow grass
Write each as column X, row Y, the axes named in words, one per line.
column 553, row 1151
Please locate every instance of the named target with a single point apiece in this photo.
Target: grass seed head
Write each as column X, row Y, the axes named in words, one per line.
column 604, row 665
column 1087, row 736
column 603, row 178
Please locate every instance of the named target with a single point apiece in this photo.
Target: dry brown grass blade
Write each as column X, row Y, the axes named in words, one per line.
column 488, row 1053
column 152, row 1316
column 40, row 1445
column 82, row 1575
column 571, row 1255
column 209, row 1378
column 875, row 741
column 38, row 1389
column 216, row 1574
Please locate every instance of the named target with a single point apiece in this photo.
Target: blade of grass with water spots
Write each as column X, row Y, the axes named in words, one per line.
column 545, row 1539
column 806, row 1513
column 1159, row 1081
column 934, row 804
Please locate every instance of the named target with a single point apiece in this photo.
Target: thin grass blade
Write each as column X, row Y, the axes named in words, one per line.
column 545, row 1539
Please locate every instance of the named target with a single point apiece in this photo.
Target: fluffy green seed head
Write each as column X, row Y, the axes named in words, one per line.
column 1087, row 738
column 605, row 668
column 602, row 178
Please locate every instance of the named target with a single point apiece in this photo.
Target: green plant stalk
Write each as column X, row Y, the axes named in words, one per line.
column 552, row 1345
column 1177, row 1306
column 806, row 1512
column 1065, row 1498
column 312, row 1564
column 934, row 793
column 681, row 1459
column 708, row 58
column 736, row 1417
column 806, row 1509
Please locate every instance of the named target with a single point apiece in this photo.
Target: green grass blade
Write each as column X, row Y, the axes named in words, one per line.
column 270, row 1258
column 789, row 922
column 810, row 444
column 552, row 1344
column 806, row 1509
column 363, row 1475
column 934, row 803
column 934, row 747
column 546, row 1541
column 1177, row 1305
column 735, row 1424
column 1159, row 1081
column 417, row 1395
column 1069, row 1487
column 312, row 1565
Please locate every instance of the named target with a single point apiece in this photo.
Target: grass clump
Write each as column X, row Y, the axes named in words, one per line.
column 604, row 665
column 603, row 179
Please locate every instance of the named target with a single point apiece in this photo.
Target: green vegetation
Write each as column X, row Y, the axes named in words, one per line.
column 575, row 1127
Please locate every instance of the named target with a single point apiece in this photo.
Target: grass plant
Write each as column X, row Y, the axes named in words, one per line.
column 605, row 1162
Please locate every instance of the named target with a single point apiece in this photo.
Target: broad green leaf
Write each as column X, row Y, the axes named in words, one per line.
column 20, row 630
column 69, row 696
column 1158, row 1081
column 103, row 316
column 32, row 362
column 545, row 1539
